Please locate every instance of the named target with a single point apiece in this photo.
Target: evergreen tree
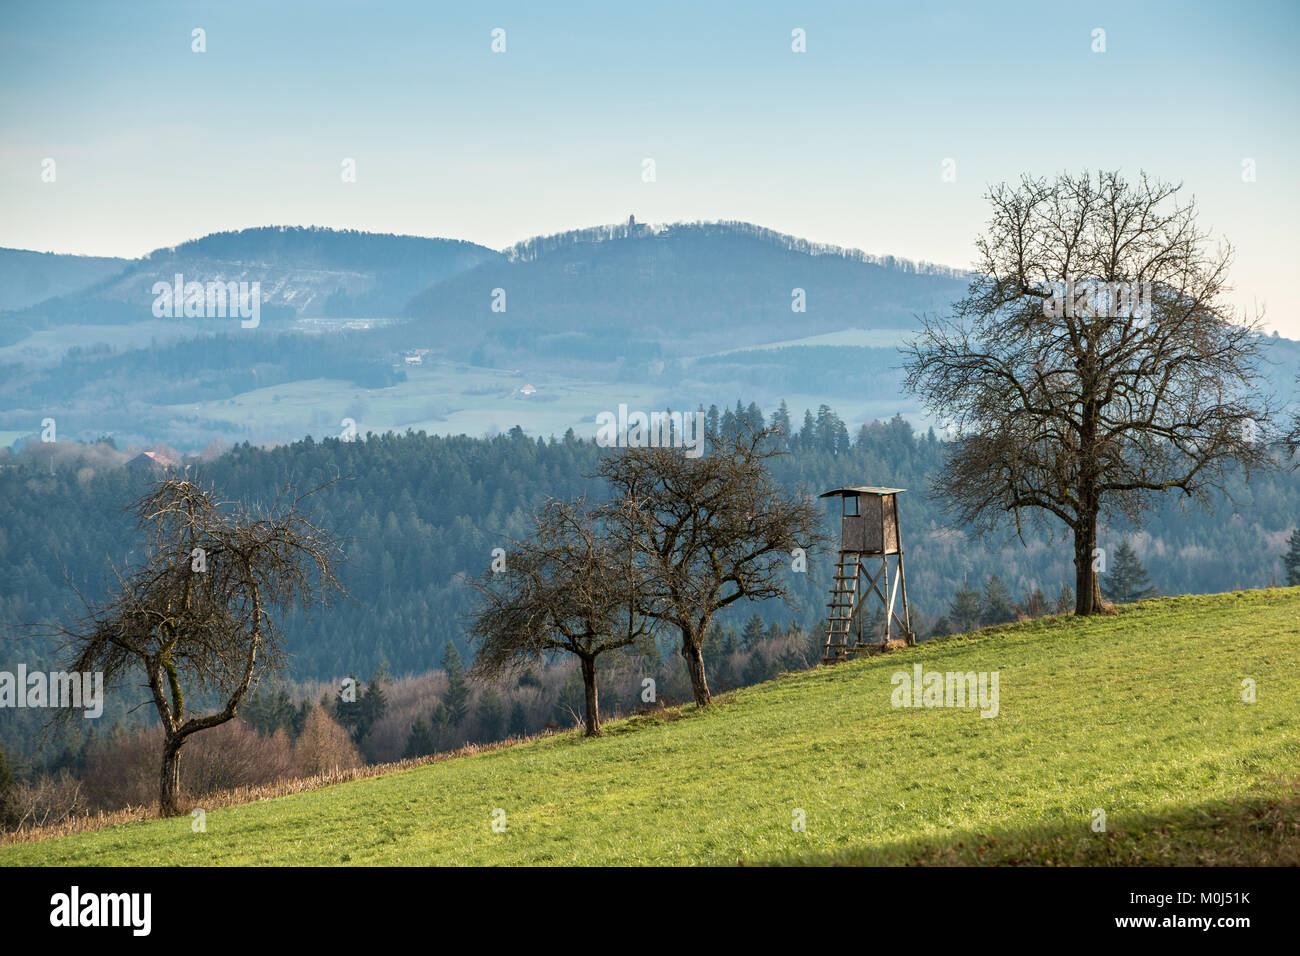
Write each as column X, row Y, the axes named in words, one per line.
column 827, row 430
column 346, row 713
column 9, row 813
column 518, row 720
column 728, row 426
column 374, row 702
column 440, row 724
column 712, row 423
column 756, row 669
column 1125, row 581
column 781, row 422
column 717, row 638
column 965, row 611
column 457, row 699
column 1291, row 560
column 269, row 710
column 421, row 741
column 791, row 661
column 997, row 602
column 753, row 632
column 721, row 667
column 808, row 433
column 491, row 716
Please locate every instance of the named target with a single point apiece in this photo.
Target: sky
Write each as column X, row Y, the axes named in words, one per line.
column 883, row 135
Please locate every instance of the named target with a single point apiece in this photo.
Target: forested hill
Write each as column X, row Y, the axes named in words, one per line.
column 419, row 511
column 686, row 288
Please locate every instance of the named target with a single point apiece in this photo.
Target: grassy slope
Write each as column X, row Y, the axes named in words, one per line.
column 1139, row 713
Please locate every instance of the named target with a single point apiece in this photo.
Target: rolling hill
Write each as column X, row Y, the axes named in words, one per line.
column 1139, row 715
column 675, row 290
column 681, row 315
column 302, row 271
column 29, row 277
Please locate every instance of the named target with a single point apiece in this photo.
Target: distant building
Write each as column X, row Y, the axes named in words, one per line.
column 150, row 461
column 528, row 390
column 415, row 360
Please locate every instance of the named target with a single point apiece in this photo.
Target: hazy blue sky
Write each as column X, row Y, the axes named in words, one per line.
column 155, row 144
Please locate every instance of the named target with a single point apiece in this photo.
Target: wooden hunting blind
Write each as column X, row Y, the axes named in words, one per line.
column 868, row 529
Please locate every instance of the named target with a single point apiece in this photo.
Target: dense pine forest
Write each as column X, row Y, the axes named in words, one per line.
column 419, row 512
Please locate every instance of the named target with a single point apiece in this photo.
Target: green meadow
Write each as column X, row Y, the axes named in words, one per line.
column 1138, row 715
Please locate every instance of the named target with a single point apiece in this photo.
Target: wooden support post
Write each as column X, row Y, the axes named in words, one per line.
column 857, row 597
column 889, row 605
column 889, row 613
column 907, row 609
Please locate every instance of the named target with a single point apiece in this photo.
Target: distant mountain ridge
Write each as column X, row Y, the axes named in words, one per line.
column 634, row 273
column 304, row 271
column 531, row 248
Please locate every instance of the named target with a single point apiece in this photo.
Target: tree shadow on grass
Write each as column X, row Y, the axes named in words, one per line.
column 1244, row 831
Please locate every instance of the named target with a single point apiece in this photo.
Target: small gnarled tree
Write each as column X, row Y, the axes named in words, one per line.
column 570, row 588
column 198, row 617
column 1092, row 364
column 708, row 532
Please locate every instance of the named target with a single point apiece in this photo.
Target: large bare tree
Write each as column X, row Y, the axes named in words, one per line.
column 1092, row 363
column 570, row 588
column 709, row 531
column 198, row 617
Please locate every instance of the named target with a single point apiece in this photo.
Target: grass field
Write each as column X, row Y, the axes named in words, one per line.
column 441, row 399
column 1139, row 714
column 444, row 398
column 448, row 399
column 872, row 338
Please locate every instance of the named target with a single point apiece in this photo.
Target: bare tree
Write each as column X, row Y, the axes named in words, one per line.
column 570, row 588
column 1091, row 364
column 709, row 531
column 198, row 617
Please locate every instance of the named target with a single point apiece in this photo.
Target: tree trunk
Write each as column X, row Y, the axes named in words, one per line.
column 1087, row 586
column 169, row 793
column 694, row 658
column 592, row 714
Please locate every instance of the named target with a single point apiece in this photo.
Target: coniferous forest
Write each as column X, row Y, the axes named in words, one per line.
column 419, row 513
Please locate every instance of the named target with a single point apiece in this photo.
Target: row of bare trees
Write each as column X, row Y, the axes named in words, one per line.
column 679, row 540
